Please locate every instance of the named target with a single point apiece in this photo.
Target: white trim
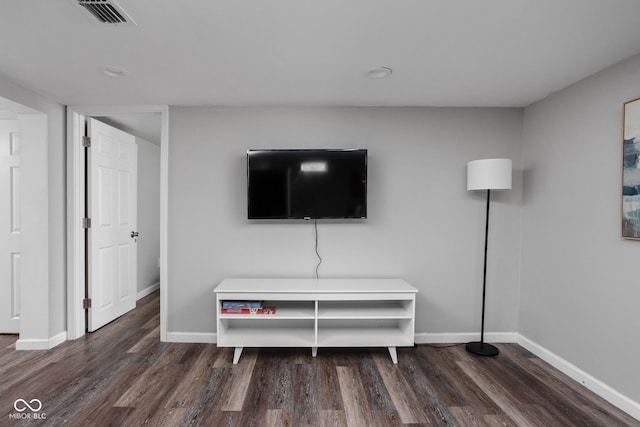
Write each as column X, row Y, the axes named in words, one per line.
column 462, row 337
column 57, row 339
column 192, row 337
column 32, row 344
column 589, row 381
column 75, row 233
column 164, row 222
column 148, row 290
column 75, row 210
column 41, row 344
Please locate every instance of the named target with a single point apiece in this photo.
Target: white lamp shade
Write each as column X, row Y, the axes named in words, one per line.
column 489, row 174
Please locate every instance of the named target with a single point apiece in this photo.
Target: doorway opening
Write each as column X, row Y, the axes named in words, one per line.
column 149, row 125
column 24, row 285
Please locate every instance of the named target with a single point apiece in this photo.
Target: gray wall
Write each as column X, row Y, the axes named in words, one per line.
column 580, row 292
column 423, row 225
column 148, row 214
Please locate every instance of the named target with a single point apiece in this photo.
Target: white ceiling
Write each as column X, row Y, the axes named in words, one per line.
column 303, row 52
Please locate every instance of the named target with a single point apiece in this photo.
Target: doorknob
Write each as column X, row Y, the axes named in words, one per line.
column 134, row 234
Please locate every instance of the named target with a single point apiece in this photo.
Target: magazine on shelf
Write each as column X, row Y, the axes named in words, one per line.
column 241, row 304
column 267, row 310
column 241, row 310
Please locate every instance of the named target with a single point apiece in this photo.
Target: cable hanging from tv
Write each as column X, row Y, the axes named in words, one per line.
column 315, row 234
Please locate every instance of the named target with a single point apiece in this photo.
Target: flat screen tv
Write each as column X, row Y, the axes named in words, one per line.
column 306, row 184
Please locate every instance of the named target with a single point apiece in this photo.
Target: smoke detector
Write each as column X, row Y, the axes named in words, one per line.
column 107, row 12
column 378, row 73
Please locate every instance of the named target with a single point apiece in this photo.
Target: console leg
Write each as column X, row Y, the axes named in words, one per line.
column 394, row 354
column 236, row 355
column 314, row 351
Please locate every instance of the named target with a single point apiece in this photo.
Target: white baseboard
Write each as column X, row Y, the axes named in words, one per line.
column 57, row 339
column 192, row 337
column 45, row 344
column 147, row 291
column 614, row 397
column 462, row 337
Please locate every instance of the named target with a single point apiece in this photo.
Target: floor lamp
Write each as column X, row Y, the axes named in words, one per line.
column 487, row 174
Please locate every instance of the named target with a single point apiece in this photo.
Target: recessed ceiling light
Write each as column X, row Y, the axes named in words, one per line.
column 115, row 72
column 379, row 73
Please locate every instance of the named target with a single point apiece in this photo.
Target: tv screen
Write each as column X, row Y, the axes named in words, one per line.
column 306, row 184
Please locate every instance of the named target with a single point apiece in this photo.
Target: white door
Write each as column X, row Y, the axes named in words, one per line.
column 9, row 226
column 112, row 202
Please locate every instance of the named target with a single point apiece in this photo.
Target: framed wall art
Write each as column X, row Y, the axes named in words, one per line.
column 631, row 170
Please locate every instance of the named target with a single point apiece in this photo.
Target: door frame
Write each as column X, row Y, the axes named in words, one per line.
column 75, row 208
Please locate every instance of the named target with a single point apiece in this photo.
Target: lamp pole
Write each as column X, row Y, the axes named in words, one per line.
column 480, row 347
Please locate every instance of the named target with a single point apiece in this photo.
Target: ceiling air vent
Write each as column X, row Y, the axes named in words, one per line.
column 107, row 11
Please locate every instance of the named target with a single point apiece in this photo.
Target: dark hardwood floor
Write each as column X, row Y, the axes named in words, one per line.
column 123, row 375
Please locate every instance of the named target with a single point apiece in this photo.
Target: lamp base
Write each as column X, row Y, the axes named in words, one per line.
column 482, row 349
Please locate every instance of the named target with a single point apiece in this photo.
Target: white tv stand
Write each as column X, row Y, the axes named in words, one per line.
column 318, row 313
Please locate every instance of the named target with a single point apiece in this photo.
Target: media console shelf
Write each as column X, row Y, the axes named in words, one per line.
column 318, row 313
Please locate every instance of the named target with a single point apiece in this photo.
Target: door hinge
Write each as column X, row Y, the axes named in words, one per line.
column 86, row 303
column 86, row 141
column 86, row 222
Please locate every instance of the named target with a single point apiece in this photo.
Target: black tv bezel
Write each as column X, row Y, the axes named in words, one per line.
column 289, row 150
